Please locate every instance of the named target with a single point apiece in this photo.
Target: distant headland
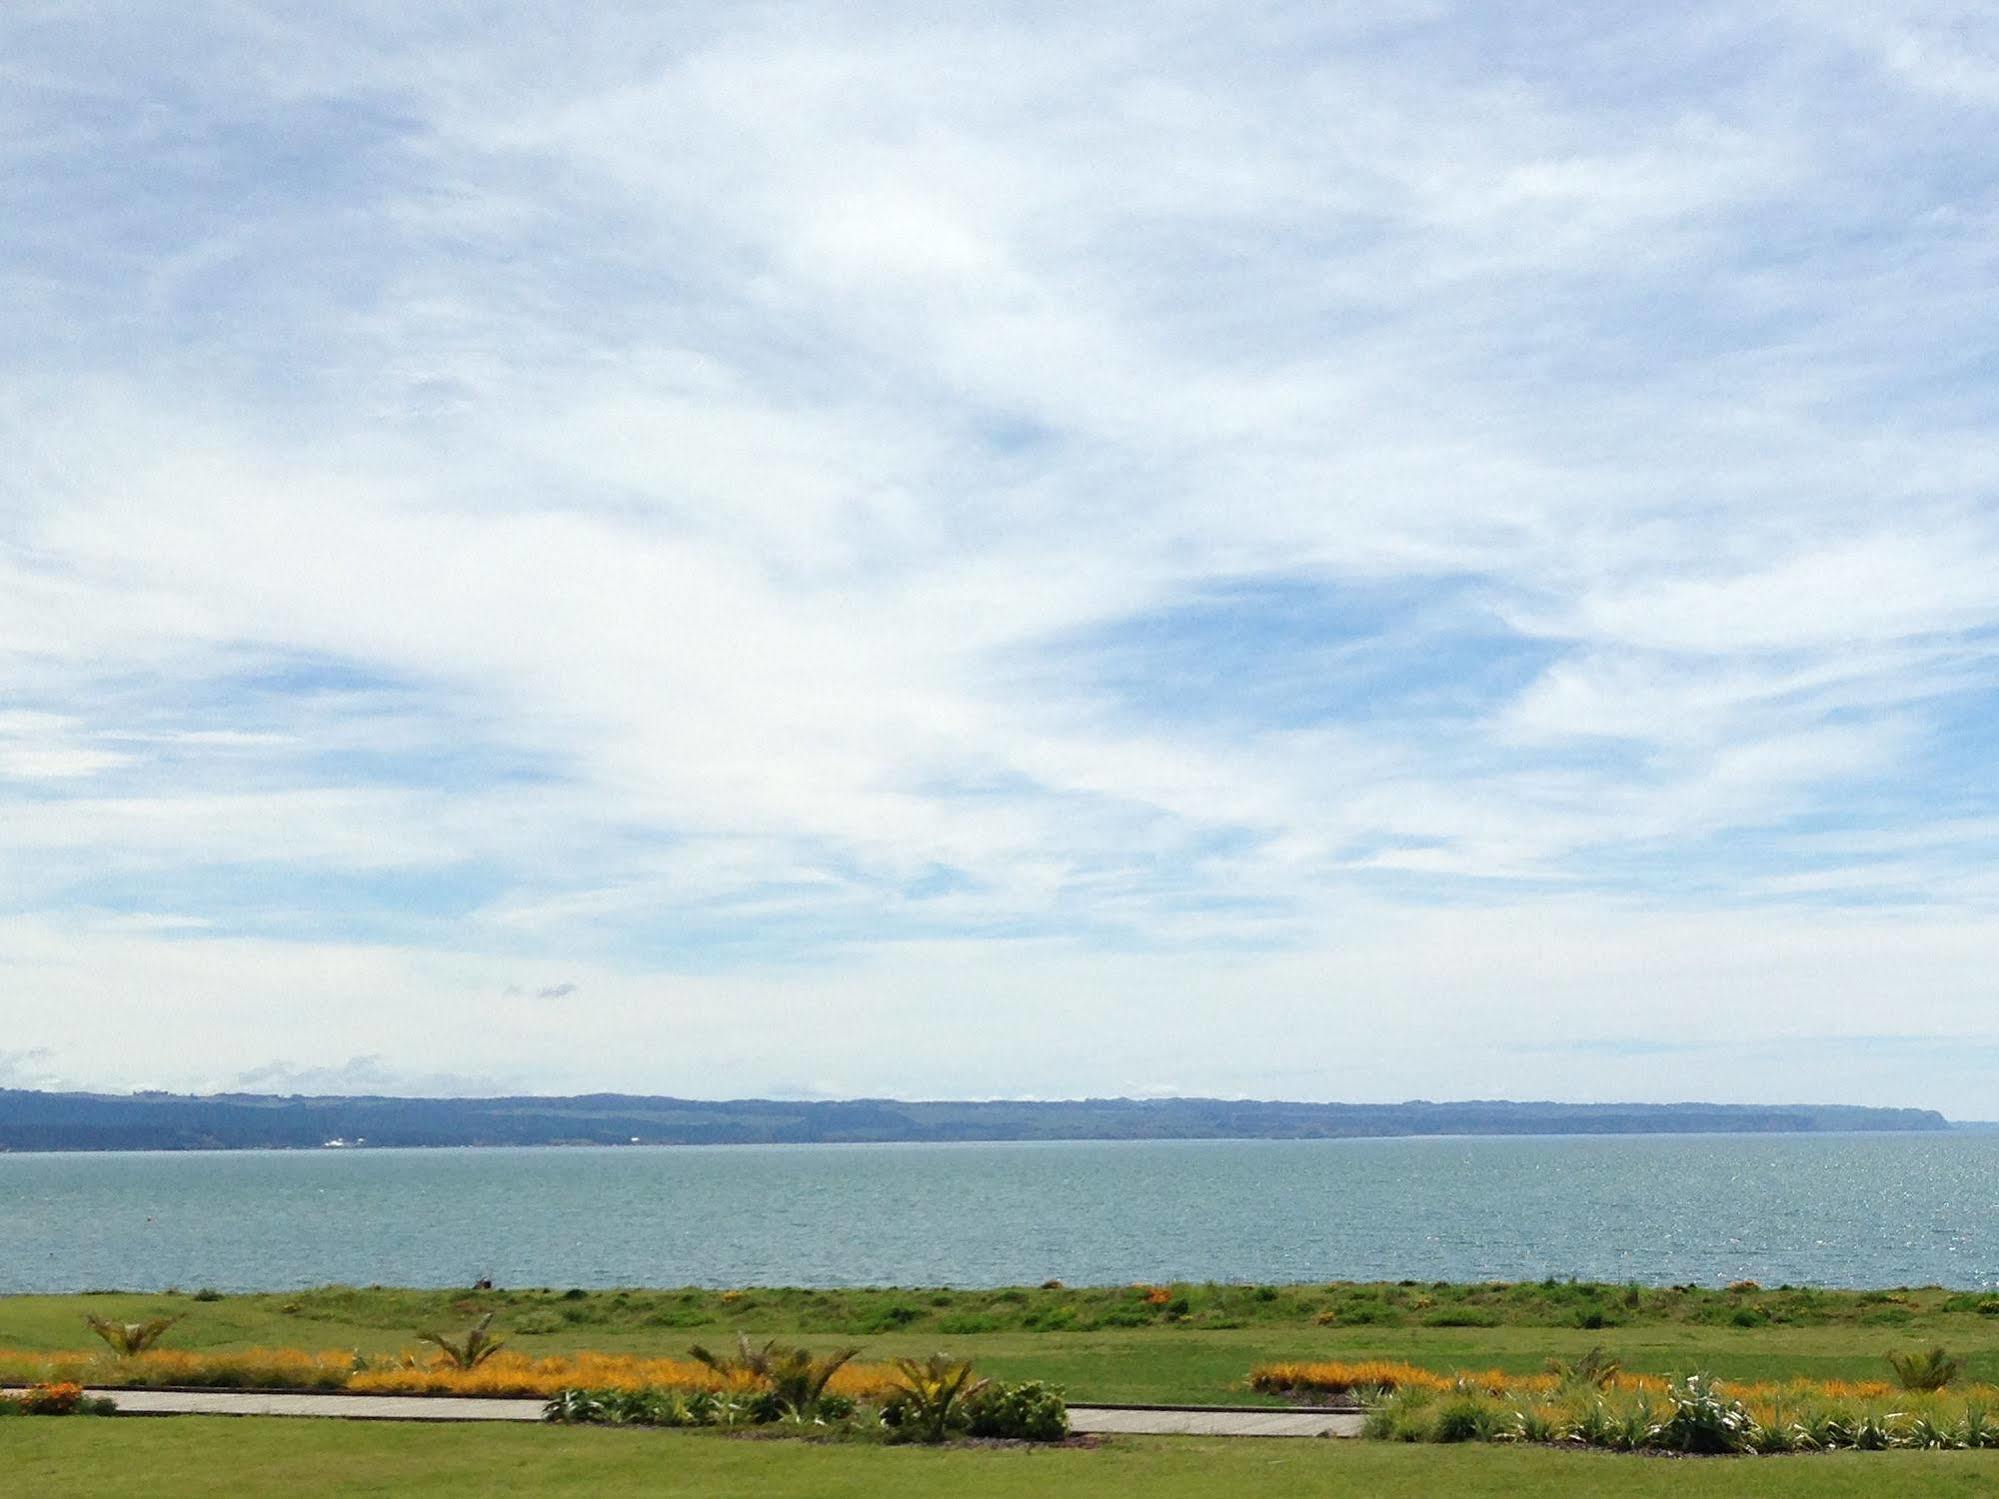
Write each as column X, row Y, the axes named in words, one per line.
column 37, row 1121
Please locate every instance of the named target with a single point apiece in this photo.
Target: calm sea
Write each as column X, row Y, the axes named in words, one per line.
column 1851, row 1210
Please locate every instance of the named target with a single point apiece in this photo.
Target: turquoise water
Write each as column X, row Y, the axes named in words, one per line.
column 1853, row 1210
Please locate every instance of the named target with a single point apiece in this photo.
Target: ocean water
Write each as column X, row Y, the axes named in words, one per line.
column 1833, row 1210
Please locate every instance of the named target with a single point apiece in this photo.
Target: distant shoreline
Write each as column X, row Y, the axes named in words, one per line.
column 40, row 1122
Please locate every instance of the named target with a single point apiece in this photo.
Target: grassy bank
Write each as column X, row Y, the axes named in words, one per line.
column 1181, row 1343
column 266, row 1459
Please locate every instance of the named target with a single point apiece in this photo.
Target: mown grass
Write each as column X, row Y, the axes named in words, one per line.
column 268, row 1458
column 1114, row 1344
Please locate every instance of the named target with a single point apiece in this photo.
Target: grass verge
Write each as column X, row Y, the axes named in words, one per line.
column 267, row 1458
column 1111, row 1345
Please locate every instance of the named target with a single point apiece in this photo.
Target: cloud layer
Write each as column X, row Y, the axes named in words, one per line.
column 1245, row 551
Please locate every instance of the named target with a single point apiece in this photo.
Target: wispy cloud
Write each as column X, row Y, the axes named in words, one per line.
column 363, row 1077
column 806, row 506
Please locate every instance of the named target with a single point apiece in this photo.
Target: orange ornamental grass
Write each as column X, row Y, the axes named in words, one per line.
column 250, row 1368
column 1823, row 1389
column 518, row 1374
column 504, row 1373
column 44, row 1368
column 1852, row 1390
column 1340, row 1377
column 1343, row 1377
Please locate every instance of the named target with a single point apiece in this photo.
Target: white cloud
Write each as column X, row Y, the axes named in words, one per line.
column 663, row 495
column 1394, row 1003
column 45, row 747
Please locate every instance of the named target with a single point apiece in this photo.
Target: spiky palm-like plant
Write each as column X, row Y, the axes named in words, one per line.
column 128, row 1338
column 470, row 1351
column 933, row 1392
column 747, row 1363
column 1594, row 1370
column 799, row 1378
column 1929, row 1370
column 796, row 1376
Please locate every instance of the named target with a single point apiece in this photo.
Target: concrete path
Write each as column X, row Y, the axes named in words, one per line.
column 1274, row 1423
column 350, row 1407
column 1083, row 1418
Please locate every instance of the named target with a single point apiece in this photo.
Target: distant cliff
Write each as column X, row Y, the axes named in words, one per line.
column 242, row 1121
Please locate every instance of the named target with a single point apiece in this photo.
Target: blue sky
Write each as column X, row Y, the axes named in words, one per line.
column 1396, row 550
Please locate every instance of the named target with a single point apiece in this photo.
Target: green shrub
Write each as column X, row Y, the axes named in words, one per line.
column 1029, row 1411
column 573, row 1408
column 617, row 1408
column 1633, row 1426
column 1930, row 1370
column 1872, row 1433
column 1703, row 1421
column 1923, row 1431
column 644, row 1408
column 1821, row 1429
column 967, row 1323
column 1400, row 1416
column 1590, row 1424
column 1461, row 1317
column 1773, row 1440
column 1533, row 1424
column 1132, row 1314
column 677, row 1316
column 1466, row 1419
column 1888, row 1316
column 1050, row 1319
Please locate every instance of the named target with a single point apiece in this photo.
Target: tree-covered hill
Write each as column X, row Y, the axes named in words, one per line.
column 162, row 1121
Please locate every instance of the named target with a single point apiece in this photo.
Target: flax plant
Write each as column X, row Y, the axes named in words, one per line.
column 129, row 1338
column 470, row 1351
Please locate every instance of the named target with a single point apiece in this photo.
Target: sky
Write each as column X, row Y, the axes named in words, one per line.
column 1356, row 552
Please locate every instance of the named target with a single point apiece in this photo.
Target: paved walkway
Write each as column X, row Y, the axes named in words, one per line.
column 1273, row 1423
column 352, row 1407
column 1085, row 1418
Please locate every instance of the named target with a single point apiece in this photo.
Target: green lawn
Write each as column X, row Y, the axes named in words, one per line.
column 1108, row 1344
column 293, row 1459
